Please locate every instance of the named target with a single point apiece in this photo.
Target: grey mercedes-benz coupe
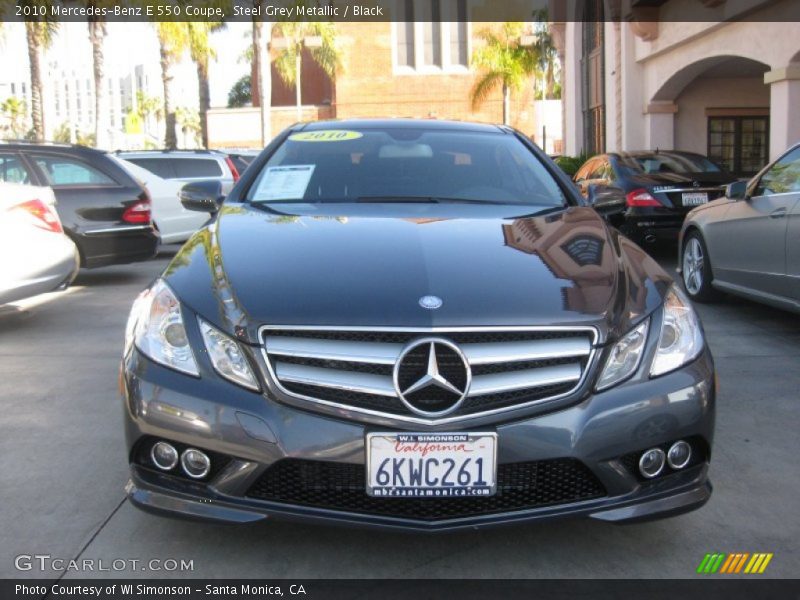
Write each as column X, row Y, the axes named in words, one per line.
column 748, row 243
column 413, row 324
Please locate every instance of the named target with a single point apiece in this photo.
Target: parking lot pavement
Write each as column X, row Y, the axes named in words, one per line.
column 63, row 467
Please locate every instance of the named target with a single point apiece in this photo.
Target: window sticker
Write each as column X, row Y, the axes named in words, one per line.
column 284, row 183
column 327, row 135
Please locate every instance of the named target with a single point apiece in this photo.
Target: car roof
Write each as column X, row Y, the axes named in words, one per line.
column 431, row 124
column 168, row 153
column 49, row 146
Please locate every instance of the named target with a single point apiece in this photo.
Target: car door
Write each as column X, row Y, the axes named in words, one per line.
column 792, row 175
column 752, row 252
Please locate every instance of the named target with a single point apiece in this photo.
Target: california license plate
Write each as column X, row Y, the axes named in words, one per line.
column 431, row 465
column 694, row 198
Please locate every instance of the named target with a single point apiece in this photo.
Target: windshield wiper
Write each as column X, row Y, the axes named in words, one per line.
column 421, row 200
column 541, row 213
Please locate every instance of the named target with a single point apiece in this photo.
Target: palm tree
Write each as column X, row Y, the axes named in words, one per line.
column 149, row 106
column 39, row 35
column 261, row 73
column 16, row 112
column 548, row 63
column 202, row 52
column 97, row 35
column 320, row 37
column 505, row 61
column 173, row 40
column 189, row 122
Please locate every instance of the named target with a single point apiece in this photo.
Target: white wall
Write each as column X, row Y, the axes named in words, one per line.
column 547, row 113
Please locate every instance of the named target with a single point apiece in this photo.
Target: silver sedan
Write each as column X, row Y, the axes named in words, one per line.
column 748, row 243
column 37, row 256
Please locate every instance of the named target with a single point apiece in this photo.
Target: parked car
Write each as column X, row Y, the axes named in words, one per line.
column 173, row 222
column 101, row 207
column 413, row 324
column 241, row 159
column 37, row 256
column 748, row 243
column 647, row 194
column 186, row 165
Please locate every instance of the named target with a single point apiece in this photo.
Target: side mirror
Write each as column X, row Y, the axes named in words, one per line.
column 736, row 190
column 202, row 196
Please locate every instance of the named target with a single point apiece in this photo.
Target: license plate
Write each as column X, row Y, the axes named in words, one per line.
column 431, row 465
column 694, row 199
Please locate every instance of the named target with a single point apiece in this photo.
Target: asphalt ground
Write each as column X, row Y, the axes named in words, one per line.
column 63, row 468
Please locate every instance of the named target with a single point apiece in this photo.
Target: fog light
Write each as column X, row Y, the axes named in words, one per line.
column 651, row 463
column 679, row 454
column 164, row 456
column 195, row 463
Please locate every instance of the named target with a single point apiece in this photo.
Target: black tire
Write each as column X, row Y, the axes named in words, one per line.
column 696, row 273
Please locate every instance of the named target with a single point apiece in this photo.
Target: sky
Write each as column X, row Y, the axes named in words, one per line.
column 127, row 45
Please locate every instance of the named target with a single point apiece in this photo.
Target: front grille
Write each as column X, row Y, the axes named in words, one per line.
column 341, row 486
column 354, row 368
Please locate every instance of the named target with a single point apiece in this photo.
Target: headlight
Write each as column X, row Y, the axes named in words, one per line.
column 156, row 327
column 681, row 338
column 624, row 358
column 227, row 357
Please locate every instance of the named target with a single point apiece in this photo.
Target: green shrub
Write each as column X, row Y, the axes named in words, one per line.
column 571, row 164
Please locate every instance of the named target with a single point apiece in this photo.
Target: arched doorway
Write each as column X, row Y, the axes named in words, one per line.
column 720, row 106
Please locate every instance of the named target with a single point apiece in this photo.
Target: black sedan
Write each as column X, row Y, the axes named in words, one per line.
column 646, row 195
column 102, row 208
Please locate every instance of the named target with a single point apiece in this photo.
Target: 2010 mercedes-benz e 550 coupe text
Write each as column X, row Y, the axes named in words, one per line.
column 413, row 324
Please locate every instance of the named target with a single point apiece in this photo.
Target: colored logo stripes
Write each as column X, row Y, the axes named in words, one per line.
column 738, row 562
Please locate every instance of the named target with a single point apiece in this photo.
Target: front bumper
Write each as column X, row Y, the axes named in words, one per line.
column 256, row 432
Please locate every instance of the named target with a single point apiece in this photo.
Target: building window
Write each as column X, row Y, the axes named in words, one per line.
column 593, row 67
column 740, row 144
column 405, row 34
column 431, row 35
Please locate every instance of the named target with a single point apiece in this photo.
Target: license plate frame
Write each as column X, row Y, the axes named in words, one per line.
column 694, row 198
column 431, row 445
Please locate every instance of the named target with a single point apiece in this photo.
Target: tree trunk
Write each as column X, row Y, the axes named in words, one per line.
column 255, row 65
column 170, row 137
column 298, row 79
column 550, row 81
column 262, row 85
column 34, row 38
column 506, row 104
column 204, row 97
column 97, row 34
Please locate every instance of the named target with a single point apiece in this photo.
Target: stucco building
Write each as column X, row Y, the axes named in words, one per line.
column 636, row 75
column 389, row 69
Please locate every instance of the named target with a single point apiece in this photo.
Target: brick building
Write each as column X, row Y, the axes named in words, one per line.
column 389, row 69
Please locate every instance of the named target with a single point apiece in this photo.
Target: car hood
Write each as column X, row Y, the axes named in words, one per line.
column 344, row 265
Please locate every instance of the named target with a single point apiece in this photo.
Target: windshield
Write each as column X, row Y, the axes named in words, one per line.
column 665, row 162
column 405, row 165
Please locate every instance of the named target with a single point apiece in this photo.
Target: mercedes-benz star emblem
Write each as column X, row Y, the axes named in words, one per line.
column 430, row 302
column 432, row 376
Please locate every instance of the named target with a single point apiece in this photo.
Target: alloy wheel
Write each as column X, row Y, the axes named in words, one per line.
column 693, row 266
